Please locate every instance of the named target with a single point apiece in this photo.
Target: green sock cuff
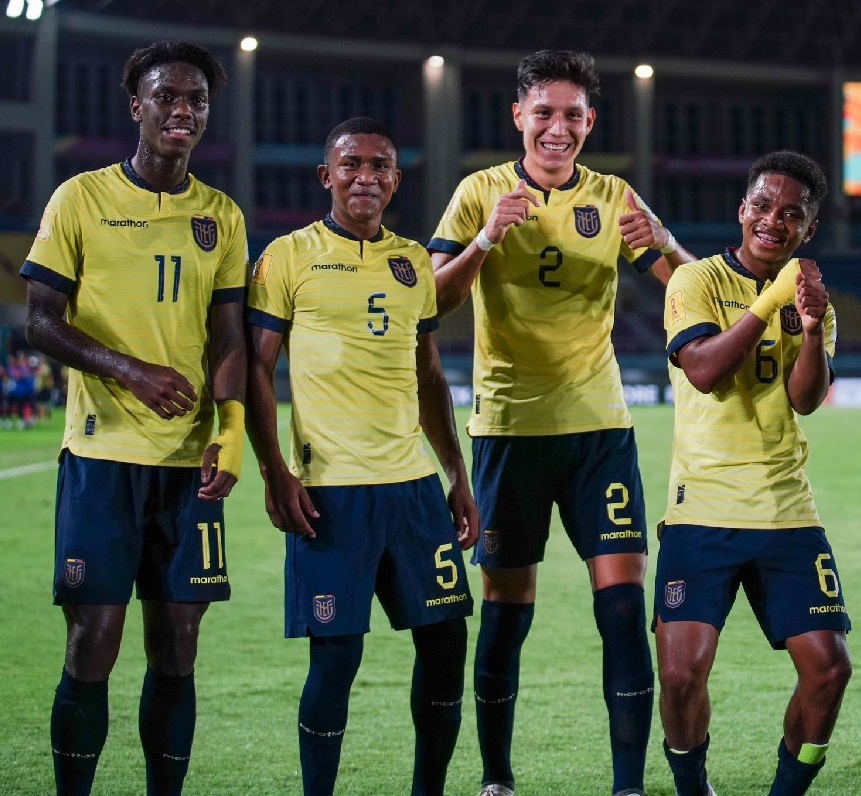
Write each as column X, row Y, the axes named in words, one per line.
column 812, row 753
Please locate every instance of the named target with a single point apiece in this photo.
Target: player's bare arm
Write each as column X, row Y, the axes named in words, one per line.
column 228, row 372
column 436, row 416
column 641, row 228
column 810, row 377
column 287, row 502
column 455, row 275
column 160, row 388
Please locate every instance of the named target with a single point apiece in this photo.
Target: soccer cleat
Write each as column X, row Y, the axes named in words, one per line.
column 709, row 792
column 495, row 789
column 630, row 792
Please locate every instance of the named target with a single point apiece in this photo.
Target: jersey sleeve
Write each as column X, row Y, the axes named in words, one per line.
column 270, row 295
column 55, row 255
column 461, row 221
column 428, row 321
column 232, row 271
column 689, row 312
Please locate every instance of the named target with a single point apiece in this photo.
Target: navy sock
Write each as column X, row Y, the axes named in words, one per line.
column 689, row 769
column 166, row 719
column 323, row 709
column 792, row 777
column 629, row 681
column 79, row 727
column 436, row 701
column 504, row 627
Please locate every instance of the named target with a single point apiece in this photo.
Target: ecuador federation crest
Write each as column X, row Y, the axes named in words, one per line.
column 73, row 572
column 324, row 608
column 491, row 542
column 674, row 593
column 403, row 271
column 587, row 220
column 790, row 320
column 205, row 231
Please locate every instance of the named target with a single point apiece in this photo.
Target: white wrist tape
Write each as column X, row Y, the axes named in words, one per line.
column 483, row 242
column 671, row 244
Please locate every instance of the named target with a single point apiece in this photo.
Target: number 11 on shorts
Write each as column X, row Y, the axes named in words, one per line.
column 205, row 534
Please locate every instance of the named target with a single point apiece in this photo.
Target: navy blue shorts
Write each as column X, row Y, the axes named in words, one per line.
column 593, row 477
column 397, row 541
column 118, row 524
column 789, row 576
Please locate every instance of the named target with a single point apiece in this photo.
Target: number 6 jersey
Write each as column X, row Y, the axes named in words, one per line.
column 141, row 270
column 738, row 452
column 349, row 311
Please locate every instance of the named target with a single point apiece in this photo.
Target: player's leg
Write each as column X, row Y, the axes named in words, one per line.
column 628, row 677
column 686, row 652
column 821, row 659
column 96, row 553
column 168, row 703
column 79, row 717
column 601, row 504
column 183, row 568
column 436, row 701
column 513, row 490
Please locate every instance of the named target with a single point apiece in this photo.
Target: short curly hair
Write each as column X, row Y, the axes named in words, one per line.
column 358, row 125
column 793, row 164
column 166, row 52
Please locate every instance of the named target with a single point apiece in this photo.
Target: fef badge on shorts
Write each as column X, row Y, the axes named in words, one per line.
column 403, row 271
column 491, row 542
column 205, row 231
column 324, row 608
column 674, row 593
column 73, row 572
column 587, row 221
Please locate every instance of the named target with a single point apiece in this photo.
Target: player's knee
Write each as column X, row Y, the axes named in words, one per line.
column 681, row 679
column 337, row 656
column 830, row 680
column 442, row 643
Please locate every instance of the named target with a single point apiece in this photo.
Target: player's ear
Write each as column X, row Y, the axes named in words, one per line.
column 811, row 231
column 323, row 175
column 590, row 120
column 135, row 108
column 741, row 208
column 517, row 114
column 396, row 180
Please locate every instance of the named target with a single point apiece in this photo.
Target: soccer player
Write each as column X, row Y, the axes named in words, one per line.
column 136, row 282
column 750, row 338
column 355, row 307
column 538, row 242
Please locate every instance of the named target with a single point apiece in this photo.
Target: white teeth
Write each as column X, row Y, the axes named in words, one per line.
column 554, row 147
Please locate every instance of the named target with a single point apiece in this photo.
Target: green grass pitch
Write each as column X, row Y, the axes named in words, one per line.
column 249, row 677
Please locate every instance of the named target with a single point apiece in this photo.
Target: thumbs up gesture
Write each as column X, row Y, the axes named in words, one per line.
column 640, row 227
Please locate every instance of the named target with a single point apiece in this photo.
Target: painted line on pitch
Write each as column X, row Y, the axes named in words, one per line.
column 27, row 469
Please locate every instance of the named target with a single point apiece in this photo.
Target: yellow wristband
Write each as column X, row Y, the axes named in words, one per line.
column 231, row 436
column 779, row 293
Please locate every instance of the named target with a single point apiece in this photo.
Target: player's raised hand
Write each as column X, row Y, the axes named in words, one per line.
column 811, row 297
column 511, row 209
column 640, row 227
column 161, row 388
column 288, row 504
column 465, row 514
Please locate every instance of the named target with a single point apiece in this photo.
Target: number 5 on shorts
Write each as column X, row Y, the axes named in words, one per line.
column 443, row 564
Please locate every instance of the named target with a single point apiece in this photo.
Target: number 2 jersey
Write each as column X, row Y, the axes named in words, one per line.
column 350, row 311
column 141, row 270
column 739, row 453
column 544, row 302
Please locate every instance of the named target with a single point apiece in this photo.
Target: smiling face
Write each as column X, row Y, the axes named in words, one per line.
column 172, row 107
column 362, row 175
column 555, row 119
column 776, row 218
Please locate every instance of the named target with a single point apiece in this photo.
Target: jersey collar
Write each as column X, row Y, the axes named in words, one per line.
column 334, row 226
column 136, row 179
column 733, row 262
column 521, row 172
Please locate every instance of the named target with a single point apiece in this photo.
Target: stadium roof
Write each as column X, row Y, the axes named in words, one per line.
column 798, row 33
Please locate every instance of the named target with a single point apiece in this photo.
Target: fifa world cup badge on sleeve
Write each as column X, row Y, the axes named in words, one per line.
column 324, row 608
column 674, row 593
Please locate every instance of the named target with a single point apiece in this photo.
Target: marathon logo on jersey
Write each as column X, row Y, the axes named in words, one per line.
column 73, row 572
column 403, row 271
column 492, row 542
column 587, row 221
column 674, row 593
column 90, row 426
column 324, row 608
column 790, row 320
column 205, row 231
